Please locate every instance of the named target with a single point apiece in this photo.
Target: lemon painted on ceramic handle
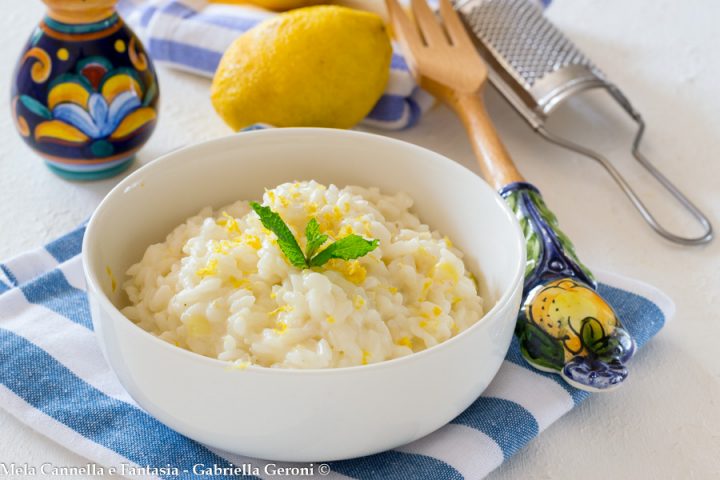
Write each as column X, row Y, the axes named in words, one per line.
column 564, row 325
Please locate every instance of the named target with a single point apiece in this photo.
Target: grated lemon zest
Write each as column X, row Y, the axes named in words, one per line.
column 446, row 270
column 355, row 272
column 253, row 241
column 330, row 319
column 345, row 231
column 365, row 357
column 280, row 327
column 427, row 283
column 404, row 342
column 358, row 302
column 432, row 324
column 238, row 282
column 448, row 242
column 282, row 308
column 209, row 269
column 113, row 282
column 222, row 246
column 229, row 222
column 239, row 365
column 437, row 311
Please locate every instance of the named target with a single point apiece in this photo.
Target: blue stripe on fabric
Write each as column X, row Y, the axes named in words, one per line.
column 398, row 63
column 389, row 108
column 67, row 246
column 231, row 23
column 10, row 275
column 514, row 356
column 415, row 110
column 146, row 15
column 238, row 23
column 642, row 318
column 53, row 291
column 394, row 465
column 507, row 423
column 183, row 54
column 40, row 380
column 4, row 287
column 179, row 10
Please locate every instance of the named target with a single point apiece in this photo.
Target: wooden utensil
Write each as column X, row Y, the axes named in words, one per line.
column 564, row 326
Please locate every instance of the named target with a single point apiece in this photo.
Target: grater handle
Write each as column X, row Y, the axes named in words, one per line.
column 494, row 160
column 707, row 233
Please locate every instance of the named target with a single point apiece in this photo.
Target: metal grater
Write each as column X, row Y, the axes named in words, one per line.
column 536, row 68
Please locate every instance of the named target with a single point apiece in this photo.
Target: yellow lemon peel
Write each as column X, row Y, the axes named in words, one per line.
column 209, row 269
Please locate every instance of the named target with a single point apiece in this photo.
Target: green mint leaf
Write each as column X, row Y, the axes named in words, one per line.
column 286, row 240
column 347, row 248
column 315, row 239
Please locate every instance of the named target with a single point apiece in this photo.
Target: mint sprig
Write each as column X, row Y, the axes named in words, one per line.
column 315, row 239
column 286, row 240
column 347, row 248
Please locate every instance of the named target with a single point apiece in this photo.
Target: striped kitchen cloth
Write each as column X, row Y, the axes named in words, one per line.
column 193, row 34
column 54, row 378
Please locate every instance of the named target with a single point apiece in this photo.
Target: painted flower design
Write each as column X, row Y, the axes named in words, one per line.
column 97, row 106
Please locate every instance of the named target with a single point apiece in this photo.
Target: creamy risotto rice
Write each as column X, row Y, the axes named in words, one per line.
column 220, row 286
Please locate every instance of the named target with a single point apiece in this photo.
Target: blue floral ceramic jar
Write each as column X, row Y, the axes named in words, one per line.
column 85, row 93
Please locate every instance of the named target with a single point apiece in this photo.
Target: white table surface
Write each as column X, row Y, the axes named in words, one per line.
column 665, row 422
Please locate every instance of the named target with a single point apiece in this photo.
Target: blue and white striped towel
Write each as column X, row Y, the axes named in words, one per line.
column 54, row 378
column 193, row 34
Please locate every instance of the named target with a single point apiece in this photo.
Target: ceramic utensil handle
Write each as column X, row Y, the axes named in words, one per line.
column 495, row 163
column 565, row 325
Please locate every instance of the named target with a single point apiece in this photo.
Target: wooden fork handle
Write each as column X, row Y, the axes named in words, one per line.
column 495, row 163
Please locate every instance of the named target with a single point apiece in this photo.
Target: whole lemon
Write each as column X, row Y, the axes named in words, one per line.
column 278, row 5
column 284, row 4
column 323, row 66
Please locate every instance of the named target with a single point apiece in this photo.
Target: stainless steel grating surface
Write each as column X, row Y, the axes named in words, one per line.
column 517, row 34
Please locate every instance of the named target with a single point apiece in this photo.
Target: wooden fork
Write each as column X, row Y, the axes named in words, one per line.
column 445, row 62
column 565, row 326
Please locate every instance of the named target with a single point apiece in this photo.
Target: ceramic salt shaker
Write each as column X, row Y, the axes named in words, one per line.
column 84, row 92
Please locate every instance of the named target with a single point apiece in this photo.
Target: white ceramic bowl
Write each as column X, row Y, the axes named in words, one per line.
column 304, row 415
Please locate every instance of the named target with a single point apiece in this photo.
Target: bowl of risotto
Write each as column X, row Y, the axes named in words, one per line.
column 304, row 294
